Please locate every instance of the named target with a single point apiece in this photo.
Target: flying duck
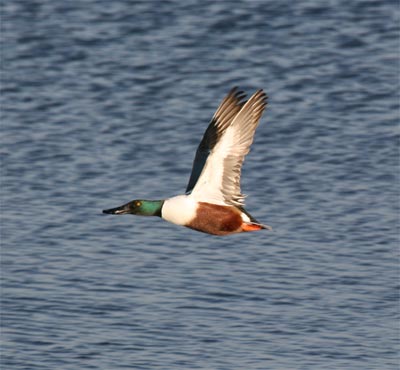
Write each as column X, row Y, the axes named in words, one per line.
column 213, row 202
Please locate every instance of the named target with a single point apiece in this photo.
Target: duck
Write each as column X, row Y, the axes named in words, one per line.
column 213, row 202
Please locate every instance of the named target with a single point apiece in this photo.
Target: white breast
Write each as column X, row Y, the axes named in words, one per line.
column 179, row 210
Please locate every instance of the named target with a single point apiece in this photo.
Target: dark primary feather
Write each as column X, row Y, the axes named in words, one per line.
column 226, row 112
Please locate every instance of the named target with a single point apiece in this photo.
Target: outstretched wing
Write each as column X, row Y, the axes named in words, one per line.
column 219, row 182
column 222, row 118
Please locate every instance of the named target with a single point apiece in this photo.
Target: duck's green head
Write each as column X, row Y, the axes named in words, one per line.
column 138, row 207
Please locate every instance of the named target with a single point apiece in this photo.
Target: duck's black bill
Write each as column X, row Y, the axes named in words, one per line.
column 117, row 211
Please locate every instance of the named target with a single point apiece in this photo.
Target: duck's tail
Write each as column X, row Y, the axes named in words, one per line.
column 254, row 224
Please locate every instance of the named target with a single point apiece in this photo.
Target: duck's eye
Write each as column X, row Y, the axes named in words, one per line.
column 138, row 204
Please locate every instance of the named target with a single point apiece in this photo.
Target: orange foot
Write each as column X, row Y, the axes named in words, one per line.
column 251, row 227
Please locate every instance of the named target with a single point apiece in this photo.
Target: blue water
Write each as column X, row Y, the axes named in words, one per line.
column 104, row 102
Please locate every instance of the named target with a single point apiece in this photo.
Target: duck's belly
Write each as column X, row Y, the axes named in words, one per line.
column 216, row 219
column 205, row 217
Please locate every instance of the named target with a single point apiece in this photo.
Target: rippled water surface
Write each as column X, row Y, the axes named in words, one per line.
column 103, row 102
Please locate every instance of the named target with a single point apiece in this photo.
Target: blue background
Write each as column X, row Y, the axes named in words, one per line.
column 103, row 102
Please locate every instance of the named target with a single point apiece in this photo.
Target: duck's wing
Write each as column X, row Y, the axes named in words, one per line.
column 226, row 112
column 219, row 182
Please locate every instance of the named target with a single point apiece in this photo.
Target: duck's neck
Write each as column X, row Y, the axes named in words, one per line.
column 151, row 207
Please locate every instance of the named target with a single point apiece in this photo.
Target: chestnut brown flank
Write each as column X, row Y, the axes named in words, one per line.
column 216, row 219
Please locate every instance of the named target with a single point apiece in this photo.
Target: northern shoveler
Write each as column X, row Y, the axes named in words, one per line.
column 213, row 202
